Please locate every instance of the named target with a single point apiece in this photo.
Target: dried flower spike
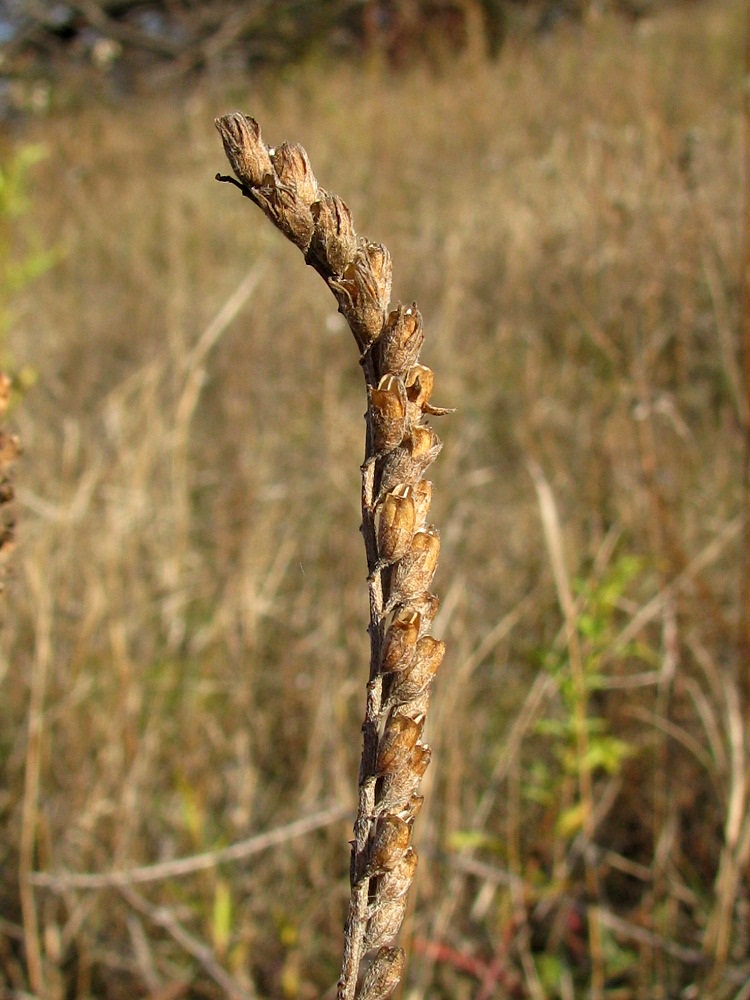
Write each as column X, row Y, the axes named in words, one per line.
column 401, row 550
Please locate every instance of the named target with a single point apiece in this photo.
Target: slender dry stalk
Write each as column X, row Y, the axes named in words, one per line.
column 402, row 548
column 8, row 455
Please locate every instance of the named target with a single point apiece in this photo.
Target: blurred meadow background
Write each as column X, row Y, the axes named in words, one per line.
column 183, row 654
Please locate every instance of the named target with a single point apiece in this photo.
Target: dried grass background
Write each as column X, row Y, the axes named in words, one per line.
column 183, row 644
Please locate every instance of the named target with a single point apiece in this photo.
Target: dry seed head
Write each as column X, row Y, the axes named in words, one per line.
column 397, row 742
column 396, row 526
column 383, row 976
column 385, row 922
column 400, row 641
column 292, row 166
column 396, row 882
column 392, row 836
column 414, row 573
column 399, row 347
column 387, row 414
column 245, row 149
column 334, row 242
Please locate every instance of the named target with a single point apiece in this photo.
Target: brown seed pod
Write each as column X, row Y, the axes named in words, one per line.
column 414, row 573
column 407, row 462
column 396, row 882
column 363, row 290
column 292, row 166
column 425, row 604
column 397, row 788
column 385, row 922
column 419, row 381
column 397, row 742
column 245, row 149
column 400, row 641
column 409, row 684
column 399, row 347
column 383, row 976
column 396, row 525
column 387, row 414
column 392, row 836
column 334, row 242
column 411, row 809
column 290, row 214
column 381, row 269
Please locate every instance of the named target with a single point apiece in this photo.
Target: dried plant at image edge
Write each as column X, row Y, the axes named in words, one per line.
column 8, row 454
column 402, row 547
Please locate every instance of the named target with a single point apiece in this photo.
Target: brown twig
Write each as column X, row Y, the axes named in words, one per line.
column 401, row 547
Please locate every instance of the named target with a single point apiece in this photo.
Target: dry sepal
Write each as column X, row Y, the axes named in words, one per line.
column 402, row 548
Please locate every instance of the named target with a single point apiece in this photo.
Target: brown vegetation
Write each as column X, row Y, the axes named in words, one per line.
column 183, row 637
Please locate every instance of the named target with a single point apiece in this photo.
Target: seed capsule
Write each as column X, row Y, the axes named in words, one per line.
column 414, row 573
column 387, row 414
column 419, row 381
column 391, row 840
column 385, row 922
column 334, row 242
column 292, row 166
column 363, row 291
column 409, row 684
column 396, row 525
column 397, row 742
column 396, row 882
column 397, row 788
column 407, row 462
column 399, row 347
column 383, row 976
column 425, row 604
column 400, row 641
column 245, row 149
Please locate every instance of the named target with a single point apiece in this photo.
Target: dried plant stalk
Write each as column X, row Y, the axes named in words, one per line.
column 401, row 547
column 9, row 449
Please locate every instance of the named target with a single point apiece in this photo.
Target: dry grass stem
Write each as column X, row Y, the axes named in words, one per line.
column 402, row 548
